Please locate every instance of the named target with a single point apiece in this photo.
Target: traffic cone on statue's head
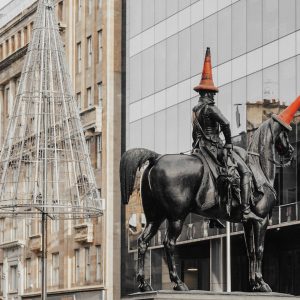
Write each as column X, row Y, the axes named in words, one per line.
column 206, row 83
column 286, row 117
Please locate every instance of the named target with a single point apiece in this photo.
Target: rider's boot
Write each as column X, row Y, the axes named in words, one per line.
column 248, row 214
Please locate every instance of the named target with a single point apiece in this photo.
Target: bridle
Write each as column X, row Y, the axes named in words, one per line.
column 283, row 163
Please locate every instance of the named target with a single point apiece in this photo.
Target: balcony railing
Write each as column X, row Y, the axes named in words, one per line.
column 283, row 215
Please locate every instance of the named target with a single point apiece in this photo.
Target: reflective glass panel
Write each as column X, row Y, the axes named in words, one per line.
column 148, row 72
column 172, row 60
column 238, row 28
column 286, row 17
column 224, row 35
column 254, row 24
column 270, row 20
column 184, row 54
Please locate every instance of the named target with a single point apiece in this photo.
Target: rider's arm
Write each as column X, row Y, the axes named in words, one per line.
column 224, row 124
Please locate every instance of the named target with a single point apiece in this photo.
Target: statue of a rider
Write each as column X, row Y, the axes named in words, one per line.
column 208, row 123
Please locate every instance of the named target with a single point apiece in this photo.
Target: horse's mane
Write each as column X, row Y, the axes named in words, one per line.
column 258, row 145
column 259, row 138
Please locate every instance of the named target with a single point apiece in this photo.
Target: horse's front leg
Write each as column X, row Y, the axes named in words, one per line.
column 249, row 239
column 174, row 230
column 259, row 240
column 143, row 243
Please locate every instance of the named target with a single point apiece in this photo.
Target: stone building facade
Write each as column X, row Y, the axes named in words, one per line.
column 76, row 252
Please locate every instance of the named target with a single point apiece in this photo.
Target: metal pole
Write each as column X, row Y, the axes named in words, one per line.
column 44, row 256
column 228, row 258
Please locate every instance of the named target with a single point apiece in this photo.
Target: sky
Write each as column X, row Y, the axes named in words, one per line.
column 4, row 2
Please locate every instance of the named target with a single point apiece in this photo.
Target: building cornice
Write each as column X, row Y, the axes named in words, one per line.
column 13, row 57
column 19, row 18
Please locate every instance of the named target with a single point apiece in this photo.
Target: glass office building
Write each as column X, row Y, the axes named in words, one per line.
column 255, row 47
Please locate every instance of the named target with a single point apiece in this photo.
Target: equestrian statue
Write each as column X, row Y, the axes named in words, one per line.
column 216, row 180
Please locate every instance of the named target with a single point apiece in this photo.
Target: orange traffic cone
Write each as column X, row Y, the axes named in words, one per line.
column 285, row 117
column 206, row 83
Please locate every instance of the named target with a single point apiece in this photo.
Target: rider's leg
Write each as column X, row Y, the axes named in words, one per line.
column 245, row 190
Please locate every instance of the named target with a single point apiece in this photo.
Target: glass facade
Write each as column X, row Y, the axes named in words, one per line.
column 255, row 46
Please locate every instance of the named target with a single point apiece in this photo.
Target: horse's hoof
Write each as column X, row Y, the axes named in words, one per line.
column 262, row 288
column 145, row 287
column 181, row 287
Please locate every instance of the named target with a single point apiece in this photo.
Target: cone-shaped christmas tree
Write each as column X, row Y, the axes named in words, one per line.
column 44, row 162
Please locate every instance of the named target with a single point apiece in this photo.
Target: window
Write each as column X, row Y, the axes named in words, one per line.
column 55, row 269
column 99, row 151
column 1, row 276
column 60, row 11
column 27, row 227
column 39, row 270
column 1, row 230
column 14, row 230
column 13, row 44
column 100, row 95
column 89, row 97
column 55, row 225
column 7, row 100
column 25, row 35
column 28, row 274
column 1, row 52
column 87, row 264
column 78, row 100
column 100, row 46
column 19, row 39
column 88, row 145
column 77, row 266
column 79, row 8
column 79, row 57
column 90, row 6
column 7, row 47
column 13, row 278
column 89, row 51
column 98, row 263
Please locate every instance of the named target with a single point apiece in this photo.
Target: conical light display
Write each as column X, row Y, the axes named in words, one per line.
column 44, row 161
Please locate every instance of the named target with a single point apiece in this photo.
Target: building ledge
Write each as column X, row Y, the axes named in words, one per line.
column 64, row 291
column 13, row 57
column 35, row 243
column 83, row 233
column 12, row 244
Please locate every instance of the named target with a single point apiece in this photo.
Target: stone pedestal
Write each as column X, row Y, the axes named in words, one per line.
column 206, row 295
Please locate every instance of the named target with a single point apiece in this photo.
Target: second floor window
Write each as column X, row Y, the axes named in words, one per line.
column 28, row 273
column 87, row 264
column 100, row 95
column 79, row 57
column 13, row 278
column 55, row 269
column 78, row 100
column 100, row 46
column 79, row 9
column 77, row 265
column 99, row 151
column 90, row 6
column 89, row 51
column 89, row 97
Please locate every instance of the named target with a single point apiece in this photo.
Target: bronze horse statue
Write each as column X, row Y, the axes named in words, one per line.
column 172, row 186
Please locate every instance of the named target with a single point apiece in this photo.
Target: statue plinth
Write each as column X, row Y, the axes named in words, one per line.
column 206, row 295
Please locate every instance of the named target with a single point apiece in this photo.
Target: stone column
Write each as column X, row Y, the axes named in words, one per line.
column 217, row 265
column 2, row 117
column 12, row 95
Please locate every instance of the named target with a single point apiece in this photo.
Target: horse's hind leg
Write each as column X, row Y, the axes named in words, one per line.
column 174, row 230
column 143, row 243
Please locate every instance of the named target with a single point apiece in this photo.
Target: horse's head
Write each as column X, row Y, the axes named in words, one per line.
column 282, row 143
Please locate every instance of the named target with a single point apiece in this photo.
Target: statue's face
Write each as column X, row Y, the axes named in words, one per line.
column 210, row 95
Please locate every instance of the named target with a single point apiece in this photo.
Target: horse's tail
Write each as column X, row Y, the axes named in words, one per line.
column 130, row 162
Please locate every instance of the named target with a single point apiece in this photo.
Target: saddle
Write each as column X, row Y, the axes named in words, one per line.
column 217, row 179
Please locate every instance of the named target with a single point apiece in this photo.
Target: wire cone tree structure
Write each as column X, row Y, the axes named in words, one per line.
column 44, row 162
